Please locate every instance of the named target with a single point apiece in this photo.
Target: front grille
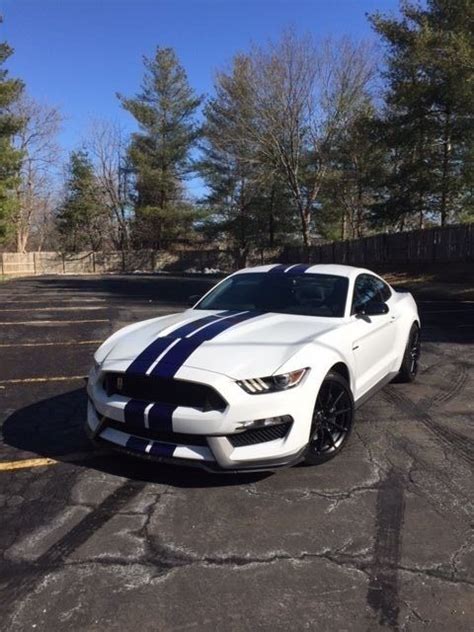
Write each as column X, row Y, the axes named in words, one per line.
column 157, row 435
column 259, row 435
column 150, row 388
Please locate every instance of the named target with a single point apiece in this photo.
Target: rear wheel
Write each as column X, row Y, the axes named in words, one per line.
column 409, row 367
column 333, row 418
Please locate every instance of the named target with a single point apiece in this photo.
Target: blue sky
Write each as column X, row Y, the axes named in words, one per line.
column 76, row 54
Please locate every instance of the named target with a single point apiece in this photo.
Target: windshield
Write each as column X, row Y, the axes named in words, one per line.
column 305, row 294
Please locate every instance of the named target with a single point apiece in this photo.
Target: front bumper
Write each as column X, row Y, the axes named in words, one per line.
column 210, row 465
column 216, row 453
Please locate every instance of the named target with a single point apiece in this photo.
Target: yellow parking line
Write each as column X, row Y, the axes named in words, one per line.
column 56, row 322
column 21, row 464
column 30, row 380
column 50, row 344
column 54, row 309
column 7, row 466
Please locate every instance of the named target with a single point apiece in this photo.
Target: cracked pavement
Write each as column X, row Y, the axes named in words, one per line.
column 379, row 538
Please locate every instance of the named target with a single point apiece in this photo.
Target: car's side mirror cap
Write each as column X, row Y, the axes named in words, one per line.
column 374, row 308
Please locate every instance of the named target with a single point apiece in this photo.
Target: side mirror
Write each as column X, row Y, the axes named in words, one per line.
column 374, row 308
column 193, row 299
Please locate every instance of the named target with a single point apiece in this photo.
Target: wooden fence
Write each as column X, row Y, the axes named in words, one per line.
column 196, row 260
column 434, row 245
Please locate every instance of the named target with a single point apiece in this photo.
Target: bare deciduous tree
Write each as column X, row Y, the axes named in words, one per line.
column 37, row 141
column 302, row 95
column 106, row 145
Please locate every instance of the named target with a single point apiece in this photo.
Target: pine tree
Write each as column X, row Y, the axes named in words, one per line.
column 82, row 218
column 160, row 152
column 428, row 123
column 356, row 168
column 10, row 159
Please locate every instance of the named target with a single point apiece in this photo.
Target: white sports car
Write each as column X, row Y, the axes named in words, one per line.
column 264, row 371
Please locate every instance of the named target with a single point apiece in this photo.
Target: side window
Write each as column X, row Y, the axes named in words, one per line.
column 386, row 291
column 368, row 288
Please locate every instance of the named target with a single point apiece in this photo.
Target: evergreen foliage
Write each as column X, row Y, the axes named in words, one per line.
column 82, row 217
column 160, row 152
column 10, row 158
column 428, row 123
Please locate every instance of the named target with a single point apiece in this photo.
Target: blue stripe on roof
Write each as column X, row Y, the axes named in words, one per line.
column 180, row 352
column 278, row 269
column 298, row 269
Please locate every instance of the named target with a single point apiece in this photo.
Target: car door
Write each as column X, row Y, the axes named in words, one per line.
column 373, row 337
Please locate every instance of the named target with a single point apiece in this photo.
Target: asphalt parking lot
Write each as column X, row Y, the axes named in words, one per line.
column 379, row 538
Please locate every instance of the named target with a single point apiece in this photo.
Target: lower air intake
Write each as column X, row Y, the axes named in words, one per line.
column 259, row 435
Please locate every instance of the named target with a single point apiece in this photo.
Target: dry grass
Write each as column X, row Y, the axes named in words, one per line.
column 449, row 280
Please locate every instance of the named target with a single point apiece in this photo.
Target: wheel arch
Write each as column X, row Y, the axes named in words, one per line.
column 343, row 370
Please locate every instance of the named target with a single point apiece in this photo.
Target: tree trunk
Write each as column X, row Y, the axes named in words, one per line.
column 445, row 167
column 343, row 226
column 271, row 223
column 421, row 214
column 358, row 228
column 305, row 220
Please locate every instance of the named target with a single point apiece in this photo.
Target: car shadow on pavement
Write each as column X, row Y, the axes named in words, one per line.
column 54, row 428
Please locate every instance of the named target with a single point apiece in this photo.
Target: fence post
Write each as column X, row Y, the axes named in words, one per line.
column 93, row 261
column 3, row 269
column 34, row 264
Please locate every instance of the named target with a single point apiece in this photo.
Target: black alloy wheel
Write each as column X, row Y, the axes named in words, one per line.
column 333, row 418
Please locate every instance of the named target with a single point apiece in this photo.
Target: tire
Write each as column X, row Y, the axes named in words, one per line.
column 409, row 366
column 333, row 418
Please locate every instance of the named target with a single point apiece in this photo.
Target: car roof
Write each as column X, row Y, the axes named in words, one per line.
column 319, row 268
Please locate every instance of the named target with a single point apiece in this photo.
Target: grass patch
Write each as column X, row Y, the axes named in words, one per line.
column 443, row 281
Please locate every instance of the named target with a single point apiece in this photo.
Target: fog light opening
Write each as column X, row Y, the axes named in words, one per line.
column 264, row 423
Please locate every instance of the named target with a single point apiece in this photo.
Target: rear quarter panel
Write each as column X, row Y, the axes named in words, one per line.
column 406, row 310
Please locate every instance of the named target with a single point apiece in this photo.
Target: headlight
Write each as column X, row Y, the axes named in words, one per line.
column 282, row 382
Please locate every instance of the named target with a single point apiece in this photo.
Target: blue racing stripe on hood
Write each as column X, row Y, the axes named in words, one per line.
column 145, row 359
column 180, row 352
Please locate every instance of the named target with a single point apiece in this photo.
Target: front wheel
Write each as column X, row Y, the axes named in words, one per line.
column 333, row 418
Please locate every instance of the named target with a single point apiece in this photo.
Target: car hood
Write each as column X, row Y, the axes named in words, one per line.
column 256, row 346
